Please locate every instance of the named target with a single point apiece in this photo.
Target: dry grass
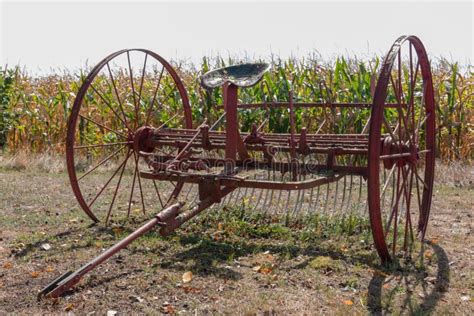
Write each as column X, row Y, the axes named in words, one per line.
column 299, row 273
column 50, row 162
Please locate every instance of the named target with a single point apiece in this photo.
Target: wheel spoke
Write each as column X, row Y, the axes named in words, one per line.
column 167, row 121
column 417, row 188
column 154, row 97
column 101, row 163
column 158, row 193
column 107, row 183
column 133, row 89
column 408, row 224
column 388, row 179
column 102, row 126
column 131, row 191
column 141, row 81
column 139, row 182
column 102, row 145
column 401, row 94
column 108, row 105
column 387, row 126
column 420, row 179
column 401, row 116
column 116, row 189
column 397, row 200
column 118, row 96
column 421, row 122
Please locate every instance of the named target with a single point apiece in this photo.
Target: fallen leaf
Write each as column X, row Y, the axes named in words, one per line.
column 265, row 270
column 167, row 308
column 434, row 241
column 187, row 277
column 7, row 265
column 34, row 274
column 220, row 226
column 256, row 268
column 216, row 236
column 348, row 302
column 190, row 289
column 117, row 230
column 69, row 307
column 380, row 273
column 49, row 269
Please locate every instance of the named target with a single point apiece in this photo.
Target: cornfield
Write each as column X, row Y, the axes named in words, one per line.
column 34, row 110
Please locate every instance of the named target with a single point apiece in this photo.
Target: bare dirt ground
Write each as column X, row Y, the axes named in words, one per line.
column 237, row 267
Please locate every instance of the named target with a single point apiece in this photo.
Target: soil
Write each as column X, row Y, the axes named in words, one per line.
column 234, row 270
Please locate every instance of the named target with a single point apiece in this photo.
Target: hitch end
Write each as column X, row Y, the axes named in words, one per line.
column 48, row 289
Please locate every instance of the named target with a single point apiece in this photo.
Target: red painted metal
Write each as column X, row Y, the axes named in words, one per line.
column 375, row 152
column 79, row 103
column 69, row 279
column 220, row 163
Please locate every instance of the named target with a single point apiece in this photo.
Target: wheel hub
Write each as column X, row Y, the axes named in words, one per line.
column 140, row 139
column 402, row 153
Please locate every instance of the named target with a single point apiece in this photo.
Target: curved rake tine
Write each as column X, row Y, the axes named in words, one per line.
column 317, row 197
column 298, row 196
column 360, row 192
column 310, row 199
column 237, row 196
column 258, row 200
column 278, row 205
column 350, row 195
column 287, row 219
column 327, row 199
column 300, row 200
column 227, row 198
column 343, row 193
column 335, row 196
column 264, row 205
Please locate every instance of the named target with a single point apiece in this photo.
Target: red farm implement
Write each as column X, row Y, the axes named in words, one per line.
column 145, row 151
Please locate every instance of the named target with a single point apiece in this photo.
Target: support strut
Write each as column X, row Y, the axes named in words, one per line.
column 66, row 281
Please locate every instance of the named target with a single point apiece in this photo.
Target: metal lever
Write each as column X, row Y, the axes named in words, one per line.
column 66, row 281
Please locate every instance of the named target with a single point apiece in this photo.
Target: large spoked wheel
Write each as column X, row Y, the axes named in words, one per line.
column 401, row 150
column 124, row 94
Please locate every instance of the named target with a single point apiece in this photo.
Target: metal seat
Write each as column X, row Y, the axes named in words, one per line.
column 243, row 75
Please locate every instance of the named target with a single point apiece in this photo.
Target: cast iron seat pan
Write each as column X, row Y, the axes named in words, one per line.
column 243, row 75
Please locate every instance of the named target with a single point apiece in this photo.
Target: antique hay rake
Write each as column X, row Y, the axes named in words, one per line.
column 383, row 163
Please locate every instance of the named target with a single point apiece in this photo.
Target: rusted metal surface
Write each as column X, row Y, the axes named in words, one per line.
column 166, row 217
column 205, row 167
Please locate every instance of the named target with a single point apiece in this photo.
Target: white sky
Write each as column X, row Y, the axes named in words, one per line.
column 44, row 35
